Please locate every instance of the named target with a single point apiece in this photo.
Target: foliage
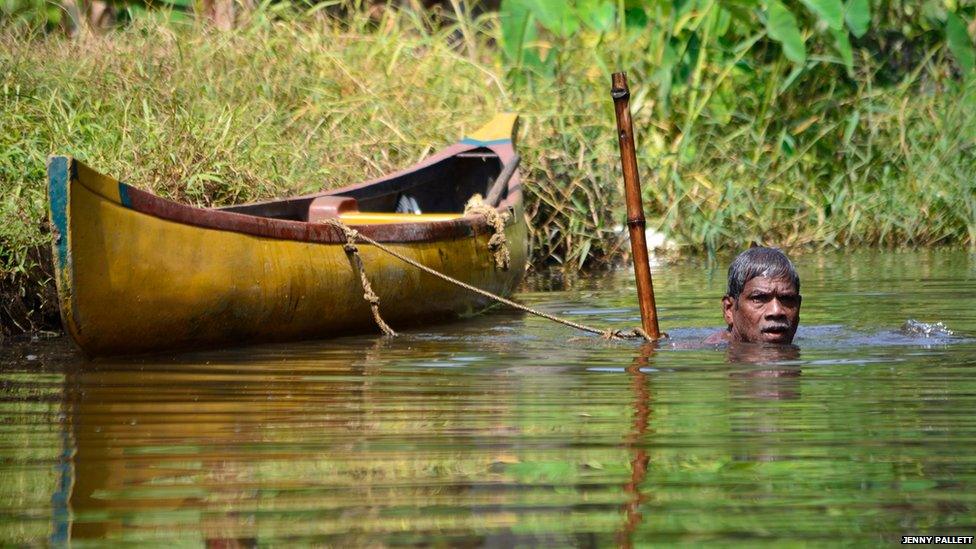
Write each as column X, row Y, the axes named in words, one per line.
column 859, row 132
column 70, row 16
column 783, row 122
column 682, row 29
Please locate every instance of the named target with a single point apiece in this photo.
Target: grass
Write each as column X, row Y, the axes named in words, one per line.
column 292, row 103
column 212, row 119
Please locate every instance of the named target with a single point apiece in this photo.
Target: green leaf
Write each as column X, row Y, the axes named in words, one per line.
column 720, row 110
column 722, row 23
column 682, row 7
column 636, row 18
column 790, row 78
column 787, row 144
column 669, row 55
column 584, row 252
column 852, row 121
column 599, row 15
column 518, row 29
column 556, row 16
column 959, row 42
column 519, row 34
column 664, row 76
column 857, row 13
column 931, row 11
column 692, row 47
column 830, row 11
column 781, row 26
column 843, row 46
column 741, row 10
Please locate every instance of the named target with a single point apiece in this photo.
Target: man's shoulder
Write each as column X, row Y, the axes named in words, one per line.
column 710, row 342
column 721, row 336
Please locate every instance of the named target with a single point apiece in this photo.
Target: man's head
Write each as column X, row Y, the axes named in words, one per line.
column 762, row 304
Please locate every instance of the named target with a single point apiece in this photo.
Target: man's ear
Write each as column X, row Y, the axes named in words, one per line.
column 727, row 305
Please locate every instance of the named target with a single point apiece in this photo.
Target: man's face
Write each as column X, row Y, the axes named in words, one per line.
column 767, row 311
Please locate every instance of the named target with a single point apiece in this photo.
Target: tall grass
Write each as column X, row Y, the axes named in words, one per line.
column 290, row 103
column 748, row 147
column 276, row 107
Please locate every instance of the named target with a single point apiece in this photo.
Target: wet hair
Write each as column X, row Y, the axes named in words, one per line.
column 760, row 261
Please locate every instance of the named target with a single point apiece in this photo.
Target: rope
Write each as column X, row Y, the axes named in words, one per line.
column 368, row 294
column 352, row 235
column 498, row 243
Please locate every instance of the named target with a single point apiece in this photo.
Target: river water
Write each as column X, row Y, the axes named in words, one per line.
column 507, row 430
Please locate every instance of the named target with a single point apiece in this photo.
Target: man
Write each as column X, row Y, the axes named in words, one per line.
column 762, row 304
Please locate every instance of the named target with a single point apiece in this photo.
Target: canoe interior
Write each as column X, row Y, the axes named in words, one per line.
column 442, row 187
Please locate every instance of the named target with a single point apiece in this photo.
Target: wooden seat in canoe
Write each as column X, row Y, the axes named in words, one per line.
column 346, row 209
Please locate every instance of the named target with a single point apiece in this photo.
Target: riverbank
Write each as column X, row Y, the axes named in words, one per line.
column 290, row 104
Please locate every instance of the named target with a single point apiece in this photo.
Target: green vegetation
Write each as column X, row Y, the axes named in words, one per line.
column 821, row 124
column 801, row 124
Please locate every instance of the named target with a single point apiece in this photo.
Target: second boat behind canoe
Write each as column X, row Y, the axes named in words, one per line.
column 138, row 273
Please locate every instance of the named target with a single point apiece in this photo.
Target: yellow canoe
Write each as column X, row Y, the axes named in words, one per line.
column 138, row 273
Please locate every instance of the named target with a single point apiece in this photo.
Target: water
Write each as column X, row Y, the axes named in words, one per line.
column 507, row 430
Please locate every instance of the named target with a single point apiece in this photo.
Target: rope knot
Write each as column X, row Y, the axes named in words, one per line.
column 497, row 244
column 497, row 241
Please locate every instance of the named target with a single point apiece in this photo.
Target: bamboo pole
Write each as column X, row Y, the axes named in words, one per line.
column 635, row 208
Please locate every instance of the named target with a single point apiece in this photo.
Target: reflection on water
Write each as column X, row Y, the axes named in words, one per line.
column 504, row 431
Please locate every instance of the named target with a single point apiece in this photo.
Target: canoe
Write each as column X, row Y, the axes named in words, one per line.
column 138, row 273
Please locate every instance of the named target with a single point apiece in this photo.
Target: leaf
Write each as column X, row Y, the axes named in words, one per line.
column 857, row 13
column 669, row 55
column 790, row 78
column 722, row 23
column 681, row 6
column 829, row 11
column 664, row 78
column 843, row 46
column 959, row 42
column 740, row 10
column 719, row 108
column 932, row 11
column 584, row 253
column 852, row 121
column 555, row 15
column 635, row 17
column 787, row 144
column 517, row 28
column 599, row 15
column 693, row 47
column 781, row 26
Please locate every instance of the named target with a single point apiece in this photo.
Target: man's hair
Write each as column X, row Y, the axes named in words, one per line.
column 759, row 261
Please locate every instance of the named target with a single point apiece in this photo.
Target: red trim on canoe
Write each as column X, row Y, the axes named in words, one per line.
column 284, row 229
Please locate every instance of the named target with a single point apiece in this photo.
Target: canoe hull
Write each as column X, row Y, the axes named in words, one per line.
column 130, row 282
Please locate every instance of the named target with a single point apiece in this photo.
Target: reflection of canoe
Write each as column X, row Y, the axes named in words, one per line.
column 250, row 444
column 138, row 273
